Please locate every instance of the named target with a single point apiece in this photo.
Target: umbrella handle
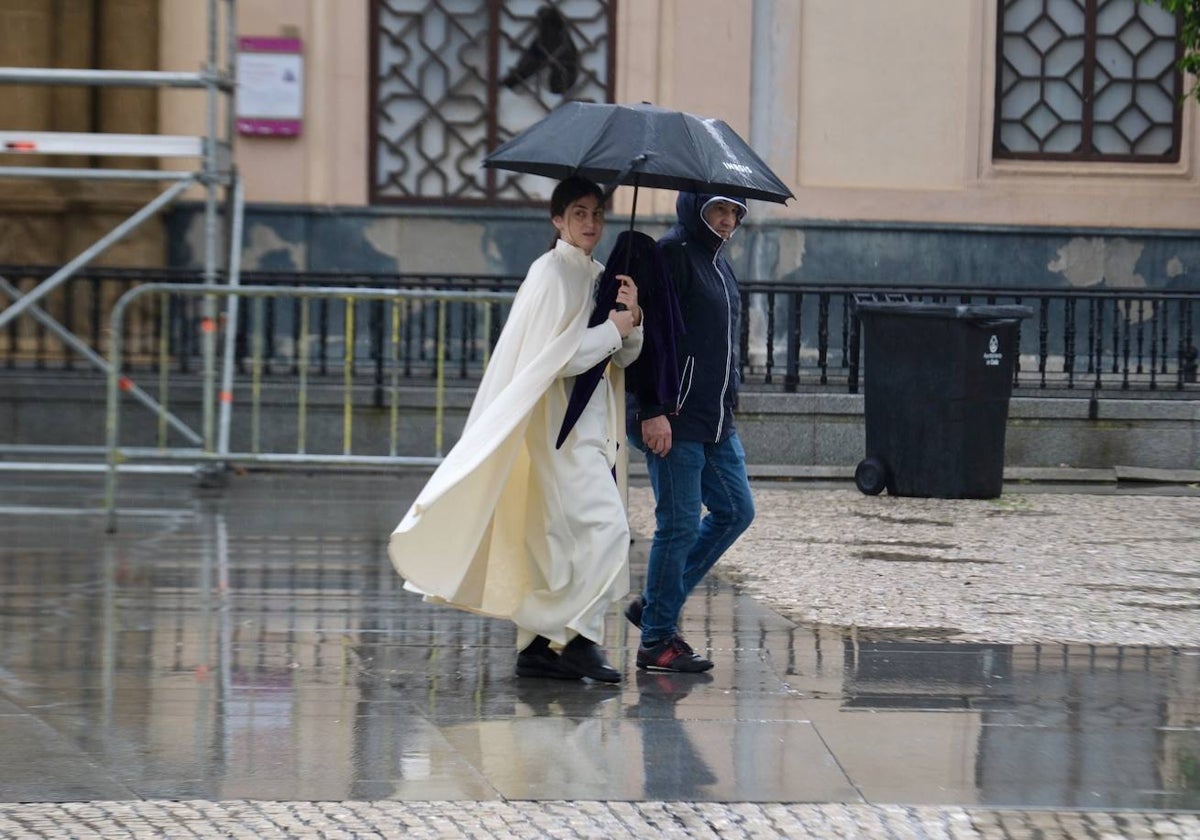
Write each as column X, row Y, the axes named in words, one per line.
column 629, row 251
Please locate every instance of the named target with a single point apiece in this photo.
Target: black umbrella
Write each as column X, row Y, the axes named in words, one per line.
column 643, row 146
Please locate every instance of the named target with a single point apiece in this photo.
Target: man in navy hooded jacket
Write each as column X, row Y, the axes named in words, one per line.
column 693, row 454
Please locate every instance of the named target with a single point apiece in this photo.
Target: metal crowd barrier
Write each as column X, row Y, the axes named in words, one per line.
column 213, row 445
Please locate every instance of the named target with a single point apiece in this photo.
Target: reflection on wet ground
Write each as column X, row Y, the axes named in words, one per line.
column 256, row 644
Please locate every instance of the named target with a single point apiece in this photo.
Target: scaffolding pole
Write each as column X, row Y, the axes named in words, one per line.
column 231, row 320
column 94, row 174
column 209, row 306
column 113, row 78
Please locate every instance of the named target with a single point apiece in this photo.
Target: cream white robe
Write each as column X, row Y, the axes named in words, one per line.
column 508, row 526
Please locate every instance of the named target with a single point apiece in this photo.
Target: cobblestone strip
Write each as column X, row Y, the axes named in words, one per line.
column 576, row 821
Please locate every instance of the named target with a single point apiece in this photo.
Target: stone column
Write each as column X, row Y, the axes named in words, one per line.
column 126, row 39
column 73, row 108
column 46, row 221
column 775, row 111
column 27, row 232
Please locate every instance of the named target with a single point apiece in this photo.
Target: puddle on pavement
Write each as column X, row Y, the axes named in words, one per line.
column 903, row 520
column 937, row 546
column 897, row 634
column 1148, row 590
column 900, row 557
column 1013, row 511
column 268, row 651
column 1169, row 573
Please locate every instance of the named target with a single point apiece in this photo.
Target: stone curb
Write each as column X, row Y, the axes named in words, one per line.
column 503, row 820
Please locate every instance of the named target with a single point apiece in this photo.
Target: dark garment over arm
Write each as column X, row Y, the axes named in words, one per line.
column 654, row 377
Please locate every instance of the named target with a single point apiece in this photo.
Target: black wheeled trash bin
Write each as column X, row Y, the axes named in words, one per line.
column 938, row 378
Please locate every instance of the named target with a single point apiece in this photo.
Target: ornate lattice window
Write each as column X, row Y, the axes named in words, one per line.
column 455, row 78
column 1087, row 80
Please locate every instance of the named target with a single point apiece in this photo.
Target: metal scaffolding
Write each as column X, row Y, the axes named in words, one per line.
column 213, row 170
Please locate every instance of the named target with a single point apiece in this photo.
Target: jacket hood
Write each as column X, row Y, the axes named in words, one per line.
column 689, row 208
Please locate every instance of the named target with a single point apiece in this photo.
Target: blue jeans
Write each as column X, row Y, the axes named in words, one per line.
column 686, row 545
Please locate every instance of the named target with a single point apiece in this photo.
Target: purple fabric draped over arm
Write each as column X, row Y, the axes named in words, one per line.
column 654, row 378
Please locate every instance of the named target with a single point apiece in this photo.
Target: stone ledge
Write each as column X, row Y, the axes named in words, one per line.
column 1156, row 476
column 1042, row 475
column 808, row 436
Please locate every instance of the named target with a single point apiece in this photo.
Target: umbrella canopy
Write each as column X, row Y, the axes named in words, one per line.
column 641, row 145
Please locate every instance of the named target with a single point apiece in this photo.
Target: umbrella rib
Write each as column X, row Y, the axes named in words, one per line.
column 696, row 147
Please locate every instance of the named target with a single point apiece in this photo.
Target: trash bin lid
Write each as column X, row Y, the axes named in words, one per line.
column 968, row 311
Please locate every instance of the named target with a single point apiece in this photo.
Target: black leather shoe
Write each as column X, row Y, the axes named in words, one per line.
column 633, row 612
column 583, row 658
column 538, row 660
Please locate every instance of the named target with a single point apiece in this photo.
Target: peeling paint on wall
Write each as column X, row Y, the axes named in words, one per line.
column 193, row 241
column 1087, row 262
column 822, row 251
column 771, row 254
column 791, row 251
column 263, row 243
column 424, row 246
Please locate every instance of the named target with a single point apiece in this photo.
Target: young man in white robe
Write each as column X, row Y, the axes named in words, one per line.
column 509, row 525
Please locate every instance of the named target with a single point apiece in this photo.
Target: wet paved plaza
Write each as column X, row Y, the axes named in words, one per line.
column 255, row 645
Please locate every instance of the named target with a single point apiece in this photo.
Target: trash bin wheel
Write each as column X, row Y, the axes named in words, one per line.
column 871, row 476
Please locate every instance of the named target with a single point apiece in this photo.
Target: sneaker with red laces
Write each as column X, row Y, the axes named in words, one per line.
column 673, row 654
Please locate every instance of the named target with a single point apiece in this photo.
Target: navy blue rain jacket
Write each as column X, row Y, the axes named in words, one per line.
column 707, row 350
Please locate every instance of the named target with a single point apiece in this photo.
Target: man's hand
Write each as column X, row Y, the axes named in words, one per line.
column 656, row 434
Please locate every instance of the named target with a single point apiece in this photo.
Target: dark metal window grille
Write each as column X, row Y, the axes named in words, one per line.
column 452, row 79
column 1087, row 80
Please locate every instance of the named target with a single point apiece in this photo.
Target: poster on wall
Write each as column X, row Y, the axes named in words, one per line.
column 270, row 87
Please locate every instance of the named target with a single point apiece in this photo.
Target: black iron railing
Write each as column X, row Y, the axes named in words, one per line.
column 1127, row 339
column 794, row 337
